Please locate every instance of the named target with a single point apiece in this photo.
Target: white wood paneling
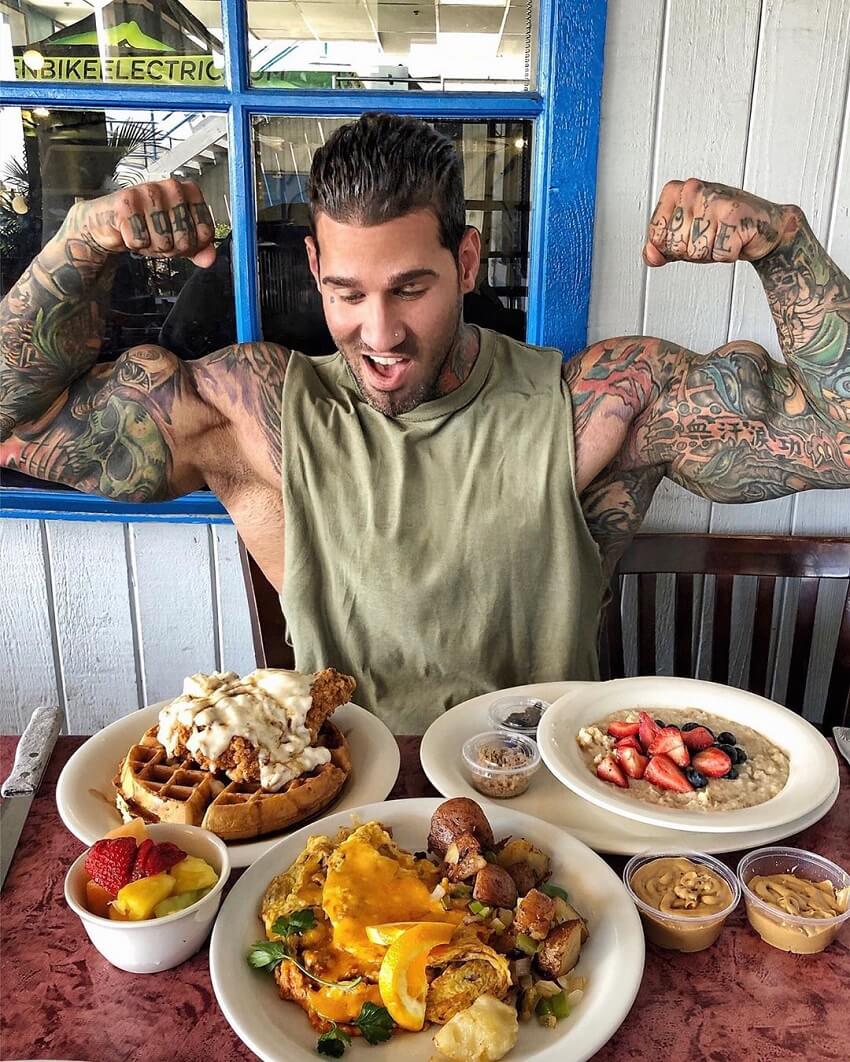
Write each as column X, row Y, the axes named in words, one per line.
column 28, row 669
column 94, row 622
column 177, row 633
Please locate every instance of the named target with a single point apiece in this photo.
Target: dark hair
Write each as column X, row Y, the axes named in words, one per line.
column 383, row 166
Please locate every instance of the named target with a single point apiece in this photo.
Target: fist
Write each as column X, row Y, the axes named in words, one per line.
column 695, row 221
column 163, row 219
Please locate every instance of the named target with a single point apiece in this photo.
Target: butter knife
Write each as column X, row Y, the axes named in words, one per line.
column 31, row 757
column 842, row 740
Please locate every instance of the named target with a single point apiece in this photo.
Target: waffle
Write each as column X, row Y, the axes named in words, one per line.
column 160, row 789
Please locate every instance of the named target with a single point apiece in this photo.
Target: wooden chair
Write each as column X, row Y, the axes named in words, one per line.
column 811, row 561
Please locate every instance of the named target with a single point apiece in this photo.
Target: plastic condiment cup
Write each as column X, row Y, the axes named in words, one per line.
column 500, row 765
column 682, row 932
column 155, row 944
column 510, row 713
column 788, row 932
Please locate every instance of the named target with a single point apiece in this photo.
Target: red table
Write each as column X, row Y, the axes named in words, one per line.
column 61, row 1000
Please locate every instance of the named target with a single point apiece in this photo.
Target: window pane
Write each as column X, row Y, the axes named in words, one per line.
column 432, row 45
column 50, row 159
column 149, row 42
column 497, row 169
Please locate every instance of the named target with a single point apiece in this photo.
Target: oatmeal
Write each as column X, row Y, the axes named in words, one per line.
column 687, row 759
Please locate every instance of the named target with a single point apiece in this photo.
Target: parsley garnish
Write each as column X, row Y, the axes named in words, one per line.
column 374, row 1023
column 555, row 891
column 267, row 954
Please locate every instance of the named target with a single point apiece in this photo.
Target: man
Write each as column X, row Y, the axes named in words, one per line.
column 452, row 499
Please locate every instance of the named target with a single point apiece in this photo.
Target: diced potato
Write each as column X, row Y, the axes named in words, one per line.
column 560, row 951
column 519, row 850
column 192, row 873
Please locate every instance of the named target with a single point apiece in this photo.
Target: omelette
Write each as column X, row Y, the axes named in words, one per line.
column 361, row 878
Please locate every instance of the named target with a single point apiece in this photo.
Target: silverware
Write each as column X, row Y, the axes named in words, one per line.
column 842, row 740
column 31, row 756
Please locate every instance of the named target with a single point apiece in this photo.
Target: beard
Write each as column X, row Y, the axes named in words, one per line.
column 429, row 362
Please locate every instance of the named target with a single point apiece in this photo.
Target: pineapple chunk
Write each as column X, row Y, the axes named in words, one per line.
column 134, row 828
column 138, row 899
column 192, row 873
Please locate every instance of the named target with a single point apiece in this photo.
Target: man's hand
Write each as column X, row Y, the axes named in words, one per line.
column 163, row 219
column 695, row 221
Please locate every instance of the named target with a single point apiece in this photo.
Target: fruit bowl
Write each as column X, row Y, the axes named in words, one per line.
column 154, row 944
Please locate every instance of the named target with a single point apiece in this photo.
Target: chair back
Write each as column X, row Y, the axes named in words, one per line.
column 707, row 634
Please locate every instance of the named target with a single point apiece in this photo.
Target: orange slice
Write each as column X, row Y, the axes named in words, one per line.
column 388, row 932
column 401, row 980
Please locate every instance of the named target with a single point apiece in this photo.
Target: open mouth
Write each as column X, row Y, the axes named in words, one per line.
column 386, row 372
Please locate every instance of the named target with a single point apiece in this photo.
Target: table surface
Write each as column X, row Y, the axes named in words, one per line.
column 740, row 999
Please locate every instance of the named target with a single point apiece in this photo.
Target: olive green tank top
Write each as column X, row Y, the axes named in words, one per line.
column 441, row 553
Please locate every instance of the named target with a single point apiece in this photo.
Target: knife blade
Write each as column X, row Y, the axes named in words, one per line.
column 31, row 757
column 842, row 740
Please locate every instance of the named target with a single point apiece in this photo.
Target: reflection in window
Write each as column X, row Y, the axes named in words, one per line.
column 151, row 42
column 496, row 158
column 435, row 45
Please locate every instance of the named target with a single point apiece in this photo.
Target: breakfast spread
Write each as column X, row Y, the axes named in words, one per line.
column 368, row 938
column 500, row 764
column 241, row 757
column 683, row 904
column 132, row 878
column 798, row 915
column 690, row 759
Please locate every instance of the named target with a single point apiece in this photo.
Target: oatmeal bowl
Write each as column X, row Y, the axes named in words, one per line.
column 687, row 755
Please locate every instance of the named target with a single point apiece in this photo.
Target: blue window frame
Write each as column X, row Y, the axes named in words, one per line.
column 565, row 112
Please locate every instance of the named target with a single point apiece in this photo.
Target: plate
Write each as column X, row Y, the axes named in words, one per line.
column 84, row 793
column 612, row 959
column 812, row 775
column 547, row 799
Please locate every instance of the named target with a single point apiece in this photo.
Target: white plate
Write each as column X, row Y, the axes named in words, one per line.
column 612, row 959
column 547, row 799
column 813, row 770
column 85, row 795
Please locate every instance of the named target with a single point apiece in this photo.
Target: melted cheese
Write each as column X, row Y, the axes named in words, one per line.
column 268, row 708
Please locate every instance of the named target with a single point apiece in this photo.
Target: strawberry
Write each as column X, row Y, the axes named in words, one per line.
column 661, row 771
column 110, row 863
column 647, row 730
column 154, row 858
column 629, row 743
column 713, row 763
column 609, row 771
column 633, row 762
column 669, row 742
column 698, row 738
column 621, row 729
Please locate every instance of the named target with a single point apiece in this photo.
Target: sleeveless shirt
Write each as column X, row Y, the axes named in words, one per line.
column 441, row 553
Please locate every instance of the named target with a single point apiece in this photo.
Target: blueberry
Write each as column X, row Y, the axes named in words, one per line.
column 740, row 755
column 689, row 726
column 729, row 750
column 732, row 773
column 726, row 738
column 697, row 780
column 661, row 723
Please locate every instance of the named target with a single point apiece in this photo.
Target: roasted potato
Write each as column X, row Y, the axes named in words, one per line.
column 455, row 817
column 494, row 886
column 523, row 877
column 534, row 915
column 463, row 858
column 560, row 950
column 518, row 850
column 565, row 912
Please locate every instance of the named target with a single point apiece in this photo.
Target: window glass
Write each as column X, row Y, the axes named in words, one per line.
column 127, row 42
column 429, row 45
column 52, row 158
column 497, row 163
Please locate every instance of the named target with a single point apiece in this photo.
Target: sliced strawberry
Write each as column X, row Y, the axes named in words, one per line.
column 661, row 771
column 629, row 743
column 110, row 862
column 713, row 763
column 610, row 771
column 698, row 738
column 633, row 762
column 140, row 869
column 621, row 729
column 163, row 857
column 647, row 730
column 669, row 742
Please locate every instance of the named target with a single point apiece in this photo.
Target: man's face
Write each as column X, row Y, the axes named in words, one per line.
column 393, row 298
